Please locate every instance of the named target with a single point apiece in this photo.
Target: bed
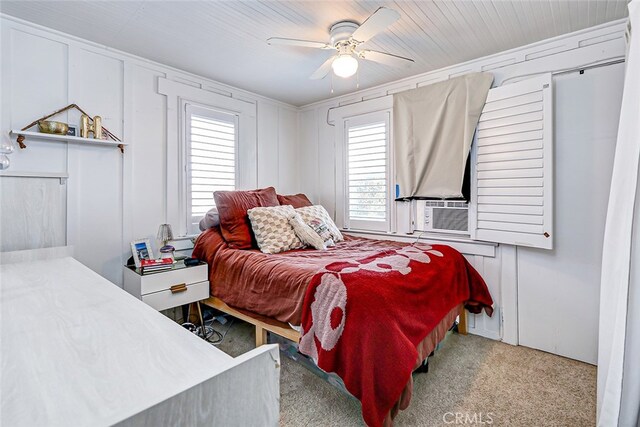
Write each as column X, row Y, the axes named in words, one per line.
column 402, row 298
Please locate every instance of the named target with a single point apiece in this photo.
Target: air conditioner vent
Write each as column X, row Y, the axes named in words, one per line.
column 451, row 219
column 445, row 216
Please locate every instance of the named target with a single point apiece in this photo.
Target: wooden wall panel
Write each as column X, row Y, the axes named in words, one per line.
column 146, row 134
column 95, row 173
column 37, row 85
column 268, row 145
column 35, row 217
column 287, row 151
column 307, row 161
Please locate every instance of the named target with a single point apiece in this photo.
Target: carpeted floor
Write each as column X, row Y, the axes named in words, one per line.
column 487, row 382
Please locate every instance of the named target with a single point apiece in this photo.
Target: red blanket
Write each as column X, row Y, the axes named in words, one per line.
column 363, row 318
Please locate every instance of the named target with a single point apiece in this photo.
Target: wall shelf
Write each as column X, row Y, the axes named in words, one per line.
column 67, row 138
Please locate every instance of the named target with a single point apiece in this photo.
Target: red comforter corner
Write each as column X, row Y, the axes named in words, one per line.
column 364, row 318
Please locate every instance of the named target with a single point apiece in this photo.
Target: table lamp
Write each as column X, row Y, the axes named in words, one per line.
column 165, row 235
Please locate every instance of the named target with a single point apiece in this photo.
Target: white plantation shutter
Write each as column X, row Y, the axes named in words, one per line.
column 211, row 159
column 367, row 155
column 512, row 201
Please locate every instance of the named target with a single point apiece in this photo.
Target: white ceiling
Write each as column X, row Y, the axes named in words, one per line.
column 226, row 40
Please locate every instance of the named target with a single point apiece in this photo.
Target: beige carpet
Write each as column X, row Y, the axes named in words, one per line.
column 481, row 379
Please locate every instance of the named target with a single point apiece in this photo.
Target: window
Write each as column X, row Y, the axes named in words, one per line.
column 211, row 159
column 367, row 173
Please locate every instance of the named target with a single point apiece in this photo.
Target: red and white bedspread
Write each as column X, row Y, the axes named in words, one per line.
column 364, row 318
column 369, row 309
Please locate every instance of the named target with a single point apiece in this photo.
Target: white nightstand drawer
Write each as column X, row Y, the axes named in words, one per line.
column 167, row 299
column 150, row 283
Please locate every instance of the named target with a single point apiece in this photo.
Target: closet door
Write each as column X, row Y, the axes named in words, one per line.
column 512, row 166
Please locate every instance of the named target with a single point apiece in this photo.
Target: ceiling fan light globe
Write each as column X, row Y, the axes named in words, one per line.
column 345, row 66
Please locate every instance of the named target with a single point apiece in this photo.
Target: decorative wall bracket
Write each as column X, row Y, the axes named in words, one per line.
column 20, row 139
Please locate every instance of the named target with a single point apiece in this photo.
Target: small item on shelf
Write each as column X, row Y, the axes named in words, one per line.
column 72, row 131
column 95, row 127
column 141, row 250
column 190, row 262
column 166, row 252
column 155, row 265
column 50, row 126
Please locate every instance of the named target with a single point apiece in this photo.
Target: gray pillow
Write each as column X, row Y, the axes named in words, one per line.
column 211, row 219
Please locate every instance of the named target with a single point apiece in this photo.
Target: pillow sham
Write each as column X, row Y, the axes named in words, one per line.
column 307, row 234
column 315, row 216
column 271, row 227
column 209, row 220
column 296, row 200
column 234, row 221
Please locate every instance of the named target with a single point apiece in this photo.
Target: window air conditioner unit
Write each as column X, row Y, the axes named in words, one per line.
column 442, row 216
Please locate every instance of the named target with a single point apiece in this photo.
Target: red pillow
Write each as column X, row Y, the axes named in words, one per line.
column 296, row 200
column 234, row 221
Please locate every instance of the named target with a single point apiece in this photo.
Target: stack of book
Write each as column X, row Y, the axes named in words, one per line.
column 155, row 265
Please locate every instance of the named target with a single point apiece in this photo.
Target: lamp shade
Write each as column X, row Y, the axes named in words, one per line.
column 345, row 65
column 164, row 233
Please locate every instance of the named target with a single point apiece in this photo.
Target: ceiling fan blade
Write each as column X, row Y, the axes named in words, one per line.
column 296, row 42
column 386, row 58
column 324, row 69
column 376, row 23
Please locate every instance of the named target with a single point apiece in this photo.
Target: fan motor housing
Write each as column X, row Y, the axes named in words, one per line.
column 341, row 31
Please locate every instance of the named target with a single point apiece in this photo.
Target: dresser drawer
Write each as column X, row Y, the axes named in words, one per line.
column 166, row 299
column 151, row 283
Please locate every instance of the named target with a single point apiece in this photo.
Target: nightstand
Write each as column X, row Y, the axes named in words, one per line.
column 166, row 289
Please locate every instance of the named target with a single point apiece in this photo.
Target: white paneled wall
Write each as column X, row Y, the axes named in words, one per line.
column 549, row 287
column 559, row 290
column 111, row 198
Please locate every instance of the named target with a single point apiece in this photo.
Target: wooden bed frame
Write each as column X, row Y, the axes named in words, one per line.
column 265, row 324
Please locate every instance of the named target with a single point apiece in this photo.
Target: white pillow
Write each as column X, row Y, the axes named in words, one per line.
column 308, row 236
column 316, row 216
column 272, row 229
column 211, row 219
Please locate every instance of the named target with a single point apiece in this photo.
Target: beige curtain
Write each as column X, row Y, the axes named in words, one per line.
column 433, row 129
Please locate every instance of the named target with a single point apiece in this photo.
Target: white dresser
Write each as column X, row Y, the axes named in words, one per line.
column 78, row 350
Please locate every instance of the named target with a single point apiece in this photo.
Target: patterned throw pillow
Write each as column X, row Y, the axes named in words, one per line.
column 307, row 234
column 316, row 216
column 272, row 229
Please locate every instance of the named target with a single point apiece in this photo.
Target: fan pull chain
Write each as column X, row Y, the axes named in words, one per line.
column 331, row 83
column 358, row 79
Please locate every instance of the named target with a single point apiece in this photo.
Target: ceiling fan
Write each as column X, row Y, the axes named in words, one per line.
column 347, row 38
